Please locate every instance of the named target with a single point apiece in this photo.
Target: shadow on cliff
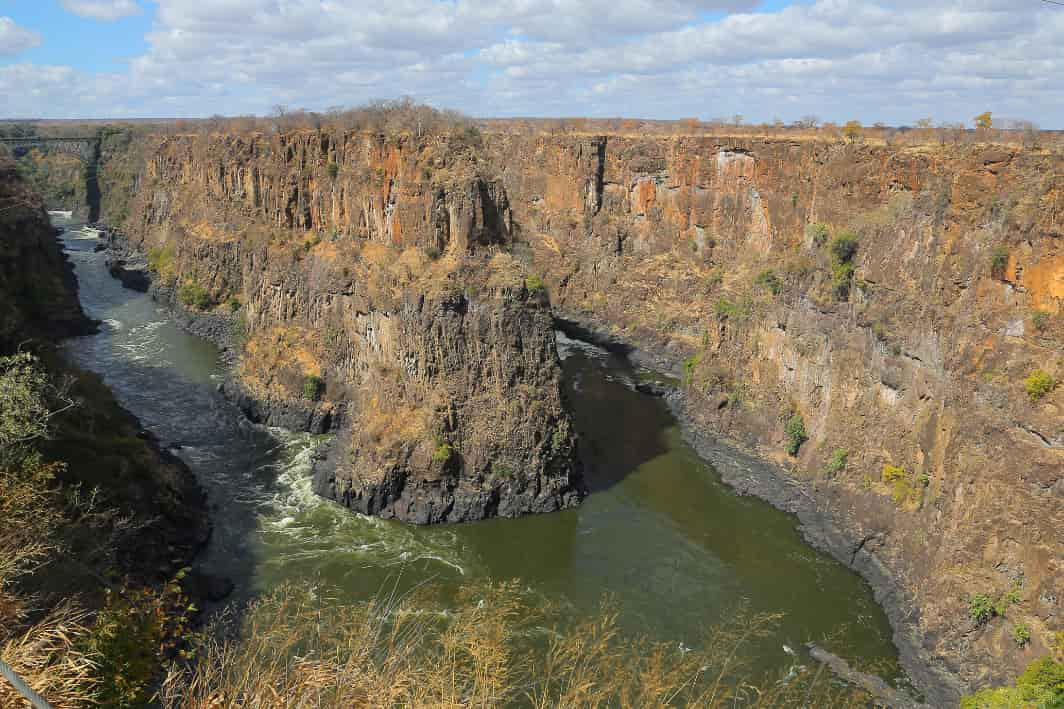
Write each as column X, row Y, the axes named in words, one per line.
column 92, row 183
column 620, row 429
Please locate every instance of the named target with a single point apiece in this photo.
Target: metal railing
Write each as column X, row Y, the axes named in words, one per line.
column 24, row 689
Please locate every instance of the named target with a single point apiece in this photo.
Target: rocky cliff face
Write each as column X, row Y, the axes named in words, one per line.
column 905, row 356
column 892, row 301
column 40, row 293
column 58, row 178
column 371, row 288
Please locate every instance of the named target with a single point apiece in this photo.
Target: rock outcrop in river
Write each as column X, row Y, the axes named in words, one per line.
column 885, row 323
column 370, row 281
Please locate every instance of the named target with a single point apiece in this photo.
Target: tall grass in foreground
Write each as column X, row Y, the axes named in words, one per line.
column 486, row 649
column 40, row 647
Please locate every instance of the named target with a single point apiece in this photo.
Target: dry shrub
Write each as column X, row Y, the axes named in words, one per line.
column 42, row 651
column 487, row 648
column 404, row 115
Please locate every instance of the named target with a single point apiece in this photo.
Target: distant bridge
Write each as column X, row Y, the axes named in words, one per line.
column 85, row 147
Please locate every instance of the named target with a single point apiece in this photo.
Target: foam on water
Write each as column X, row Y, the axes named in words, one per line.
column 82, row 234
column 297, row 525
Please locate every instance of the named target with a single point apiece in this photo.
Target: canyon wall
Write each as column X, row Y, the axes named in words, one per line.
column 903, row 351
column 369, row 283
column 865, row 316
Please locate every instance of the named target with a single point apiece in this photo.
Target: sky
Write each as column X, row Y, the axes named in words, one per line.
column 868, row 60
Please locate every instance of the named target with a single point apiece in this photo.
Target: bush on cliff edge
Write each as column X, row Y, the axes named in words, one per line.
column 796, row 434
column 1041, row 686
column 195, row 295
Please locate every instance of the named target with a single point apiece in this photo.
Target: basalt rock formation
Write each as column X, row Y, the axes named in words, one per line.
column 873, row 310
column 368, row 283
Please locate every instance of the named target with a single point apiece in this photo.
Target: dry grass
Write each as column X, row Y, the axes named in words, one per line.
column 488, row 648
column 41, row 650
column 44, row 652
column 277, row 359
column 46, row 657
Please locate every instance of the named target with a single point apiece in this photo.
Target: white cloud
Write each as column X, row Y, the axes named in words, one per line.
column 106, row 10
column 36, row 90
column 15, row 39
column 867, row 59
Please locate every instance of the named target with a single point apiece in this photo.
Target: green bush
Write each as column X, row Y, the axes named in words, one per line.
column 999, row 261
column 443, row 451
column 1021, row 634
column 193, row 294
column 844, row 246
column 534, row 284
column 133, row 635
column 817, row 233
column 837, row 463
column 689, row 366
column 161, row 260
column 472, row 134
column 981, row 608
column 906, row 488
column 333, row 169
column 313, row 387
column 767, row 279
column 726, row 309
column 1044, row 673
column 1009, row 598
column 1041, row 686
column 796, row 435
column 234, row 304
column 559, row 438
column 841, row 279
column 1039, row 384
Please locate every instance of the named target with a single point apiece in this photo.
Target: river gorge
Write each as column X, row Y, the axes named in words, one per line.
column 659, row 532
column 682, row 373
